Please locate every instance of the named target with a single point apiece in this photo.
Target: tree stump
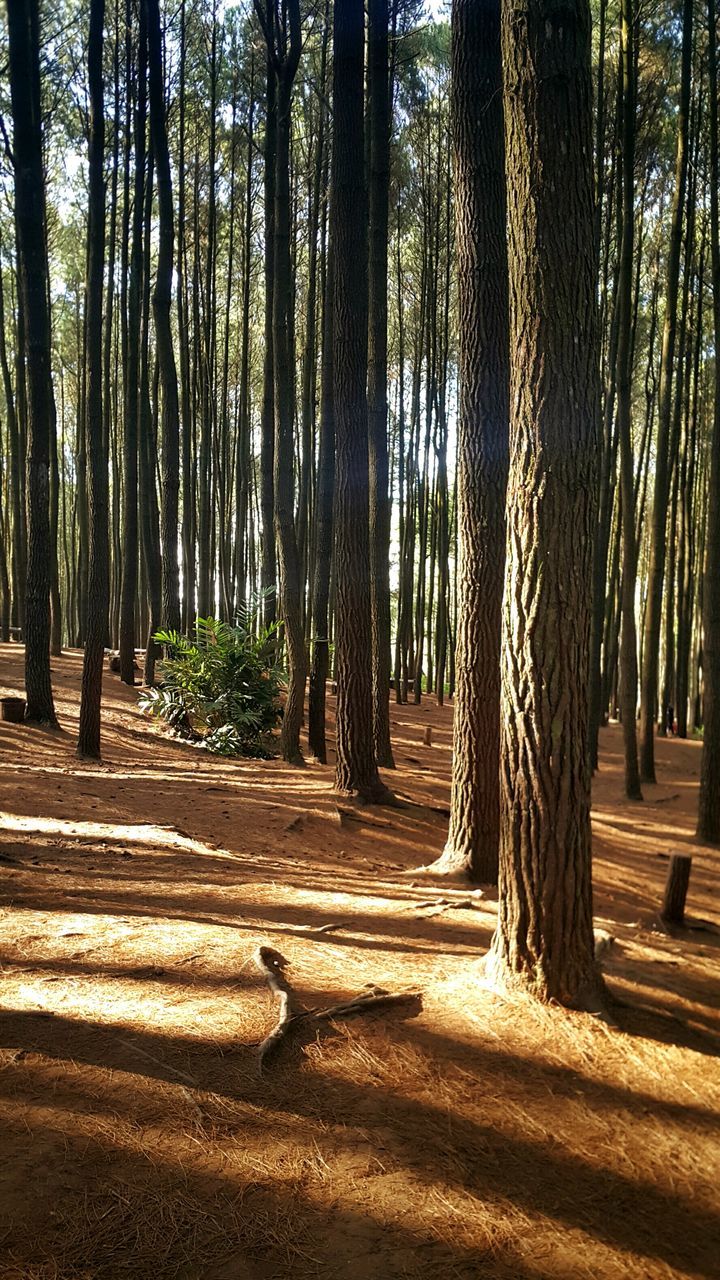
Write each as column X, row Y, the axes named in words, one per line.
column 676, row 887
column 428, row 735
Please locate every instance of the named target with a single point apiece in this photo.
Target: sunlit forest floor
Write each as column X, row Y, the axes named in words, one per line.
column 455, row 1136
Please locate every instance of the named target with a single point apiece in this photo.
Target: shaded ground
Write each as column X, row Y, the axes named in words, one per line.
column 474, row 1138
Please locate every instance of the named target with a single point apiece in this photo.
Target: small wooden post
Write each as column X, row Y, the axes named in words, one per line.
column 676, row 887
column 428, row 735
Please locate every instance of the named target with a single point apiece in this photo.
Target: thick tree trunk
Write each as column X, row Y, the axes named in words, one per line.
column 544, row 937
column 473, row 838
column 356, row 768
column 24, row 66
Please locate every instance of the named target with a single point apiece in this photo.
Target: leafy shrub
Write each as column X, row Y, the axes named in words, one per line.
column 221, row 688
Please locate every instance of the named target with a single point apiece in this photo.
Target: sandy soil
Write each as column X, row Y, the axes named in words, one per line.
column 453, row 1136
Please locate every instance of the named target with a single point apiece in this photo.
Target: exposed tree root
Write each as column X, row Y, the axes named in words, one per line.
column 271, row 964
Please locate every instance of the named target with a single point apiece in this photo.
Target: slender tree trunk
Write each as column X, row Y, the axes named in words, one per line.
column 628, row 643
column 323, row 530
column 24, row 67
column 356, row 768
column 658, row 544
column 378, row 190
column 128, row 590
column 98, row 580
column 473, row 837
column 162, row 294
column 268, row 576
column 16, row 464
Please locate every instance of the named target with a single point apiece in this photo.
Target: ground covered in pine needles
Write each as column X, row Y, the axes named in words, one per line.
column 453, row 1135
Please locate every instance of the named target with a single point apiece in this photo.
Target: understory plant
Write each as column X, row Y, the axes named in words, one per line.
column 219, row 688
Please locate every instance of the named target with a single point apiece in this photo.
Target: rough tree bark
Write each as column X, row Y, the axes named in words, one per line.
column 356, row 769
column 709, row 804
column 474, row 834
column 544, row 938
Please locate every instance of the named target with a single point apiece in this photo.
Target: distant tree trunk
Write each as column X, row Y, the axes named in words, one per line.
column 379, row 188
column 24, row 68
column 658, row 544
column 110, row 393
column 128, row 590
column 268, row 576
column 98, row 580
column 709, row 803
column 284, row 41
column 628, row 643
column 356, row 768
column 544, row 937
column 242, row 463
column 16, row 462
column 473, row 838
column 163, row 331
column 323, row 530
column 147, row 450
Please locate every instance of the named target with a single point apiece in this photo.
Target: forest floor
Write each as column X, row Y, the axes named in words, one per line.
column 454, row 1136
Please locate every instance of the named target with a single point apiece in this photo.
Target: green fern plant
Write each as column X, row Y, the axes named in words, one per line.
column 220, row 688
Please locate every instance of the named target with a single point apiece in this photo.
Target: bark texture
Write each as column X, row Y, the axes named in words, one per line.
column 709, row 806
column 474, row 834
column 356, row 768
column 544, row 938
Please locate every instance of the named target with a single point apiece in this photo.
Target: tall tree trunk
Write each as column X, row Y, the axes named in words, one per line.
column 628, row 642
column 128, row 590
column 474, row 834
column 162, row 294
column 268, row 577
column 709, row 803
column 16, row 464
column 544, row 937
column 323, row 530
column 356, row 768
column 98, row 580
column 284, row 45
column 24, row 65
column 658, row 544
column 378, row 192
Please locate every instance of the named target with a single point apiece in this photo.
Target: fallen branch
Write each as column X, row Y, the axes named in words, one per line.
column 271, row 964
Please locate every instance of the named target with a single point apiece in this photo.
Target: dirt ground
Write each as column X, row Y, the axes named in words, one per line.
column 452, row 1136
